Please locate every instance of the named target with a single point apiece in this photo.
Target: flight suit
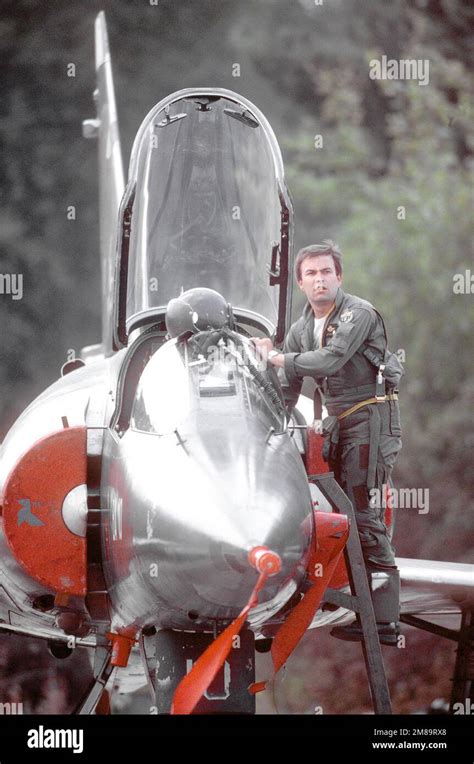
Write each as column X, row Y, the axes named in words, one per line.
column 361, row 447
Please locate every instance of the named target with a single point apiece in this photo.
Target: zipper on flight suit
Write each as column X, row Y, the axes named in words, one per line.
column 325, row 325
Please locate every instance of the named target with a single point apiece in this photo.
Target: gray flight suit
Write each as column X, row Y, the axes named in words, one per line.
column 361, row 448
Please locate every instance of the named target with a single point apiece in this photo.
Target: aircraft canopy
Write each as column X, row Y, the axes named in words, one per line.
column 203, row 208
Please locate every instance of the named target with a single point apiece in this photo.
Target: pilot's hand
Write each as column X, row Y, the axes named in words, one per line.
column 263, row 345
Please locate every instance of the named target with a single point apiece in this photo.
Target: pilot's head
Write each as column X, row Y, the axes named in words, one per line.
column 318, row 270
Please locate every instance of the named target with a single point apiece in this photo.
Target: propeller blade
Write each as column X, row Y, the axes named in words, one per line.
column 193, row 686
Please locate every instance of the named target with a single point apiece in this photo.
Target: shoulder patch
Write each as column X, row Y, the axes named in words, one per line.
column 347, row 315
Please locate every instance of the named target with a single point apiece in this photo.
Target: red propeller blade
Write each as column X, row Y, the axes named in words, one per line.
column 193, row 686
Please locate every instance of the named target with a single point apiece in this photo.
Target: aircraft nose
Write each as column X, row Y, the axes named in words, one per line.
column 264, row 560
column 193, row 523
column 212, row 556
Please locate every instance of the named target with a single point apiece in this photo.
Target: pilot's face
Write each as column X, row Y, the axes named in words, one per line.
column 319, row 280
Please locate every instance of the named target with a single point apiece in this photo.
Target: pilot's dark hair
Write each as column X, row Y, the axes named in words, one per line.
column 327, row 247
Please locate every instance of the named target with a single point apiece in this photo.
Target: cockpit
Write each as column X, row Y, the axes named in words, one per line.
column 188, row 378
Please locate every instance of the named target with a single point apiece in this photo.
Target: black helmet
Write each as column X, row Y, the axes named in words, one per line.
column 197, row 310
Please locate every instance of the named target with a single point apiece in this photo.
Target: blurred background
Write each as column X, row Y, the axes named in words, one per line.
column 387, row 144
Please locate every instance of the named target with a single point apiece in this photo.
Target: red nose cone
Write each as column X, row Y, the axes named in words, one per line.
column 264, row 560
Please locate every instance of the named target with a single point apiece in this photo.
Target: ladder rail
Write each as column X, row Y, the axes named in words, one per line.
column 360, row 600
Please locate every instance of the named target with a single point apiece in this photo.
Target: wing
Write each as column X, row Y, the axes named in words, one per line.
column 435, row 587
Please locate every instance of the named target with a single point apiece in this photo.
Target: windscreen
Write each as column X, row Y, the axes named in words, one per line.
column 206, row 210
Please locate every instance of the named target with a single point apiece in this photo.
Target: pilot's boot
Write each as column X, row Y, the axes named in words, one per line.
column 385, row 592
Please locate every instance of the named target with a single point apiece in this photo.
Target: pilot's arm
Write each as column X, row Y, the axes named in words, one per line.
column 324, row 362
column 291, row 389
column 293, row 365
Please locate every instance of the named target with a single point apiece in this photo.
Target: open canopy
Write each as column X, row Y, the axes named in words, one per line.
column 205, row 206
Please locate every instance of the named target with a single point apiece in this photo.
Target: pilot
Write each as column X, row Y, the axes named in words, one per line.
column 340, row 341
